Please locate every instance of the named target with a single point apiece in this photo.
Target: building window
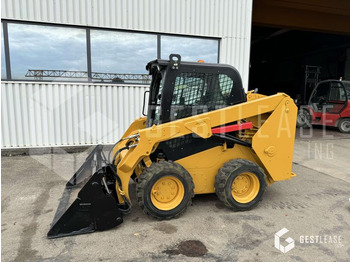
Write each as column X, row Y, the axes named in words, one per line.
column 121, row 56
column 50, row 48
column 190, row 48
column 45, row 52
column 3, row 63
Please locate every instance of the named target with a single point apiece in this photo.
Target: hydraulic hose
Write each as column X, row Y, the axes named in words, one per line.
column 233, row 139
column 125, row 138
column 110, row 151
column 113, row 167
column 117, row 153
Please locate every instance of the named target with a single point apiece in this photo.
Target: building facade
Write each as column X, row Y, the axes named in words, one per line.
column 73, row 72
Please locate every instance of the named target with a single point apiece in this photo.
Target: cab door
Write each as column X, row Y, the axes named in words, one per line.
column 336, row 102
column 318, row 98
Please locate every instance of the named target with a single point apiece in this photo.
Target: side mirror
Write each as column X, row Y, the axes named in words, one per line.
column 144, row 103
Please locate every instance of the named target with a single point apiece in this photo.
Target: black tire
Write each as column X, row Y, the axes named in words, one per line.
column 150, row 176
column 304, row 118
column 344, row 125
column 226, row 176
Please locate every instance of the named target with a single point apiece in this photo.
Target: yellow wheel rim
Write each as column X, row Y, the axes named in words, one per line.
column 245, row 187
column 167, row 193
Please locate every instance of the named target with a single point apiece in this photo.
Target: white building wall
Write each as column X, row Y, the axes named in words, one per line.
column 228, row 19
column 64, row 114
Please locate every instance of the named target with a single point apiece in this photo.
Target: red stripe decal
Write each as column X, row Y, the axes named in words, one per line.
column 227, row 129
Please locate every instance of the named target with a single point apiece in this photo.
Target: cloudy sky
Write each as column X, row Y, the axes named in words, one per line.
column 3, row 70
column 51, row 47
column 45, row 47
column 190, row 49
column 120, row 52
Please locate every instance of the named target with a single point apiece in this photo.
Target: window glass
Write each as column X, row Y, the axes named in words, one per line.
column 190, row 48
column 189, row 89
column 347, row 88
column 122, row 56
column 226, row 84
column 157, row 85
column 54, row 53
column 342, row 94
column 320, row 96
column 196, row 93
column 3, row 63
column 337, row 92
column 57, row 52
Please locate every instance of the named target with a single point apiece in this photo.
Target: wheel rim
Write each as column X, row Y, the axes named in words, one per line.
column 302, row 118
column 345, row 125
column 245, row 187
column 167, row 193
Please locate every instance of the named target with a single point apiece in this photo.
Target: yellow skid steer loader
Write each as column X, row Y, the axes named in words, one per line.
column 202, row 134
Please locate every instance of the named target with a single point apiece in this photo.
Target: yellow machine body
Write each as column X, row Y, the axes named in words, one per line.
column 272, row 138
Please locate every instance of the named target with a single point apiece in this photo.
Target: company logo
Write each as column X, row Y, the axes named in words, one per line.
column 290, row 241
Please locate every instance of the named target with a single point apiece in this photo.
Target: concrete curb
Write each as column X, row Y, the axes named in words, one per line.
column 48, row 150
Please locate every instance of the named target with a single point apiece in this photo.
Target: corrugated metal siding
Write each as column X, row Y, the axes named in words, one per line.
column 228, row 19
column 46, row 114
column 64, row 114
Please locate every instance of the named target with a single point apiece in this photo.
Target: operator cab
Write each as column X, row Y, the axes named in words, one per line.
column 330, row 95
column 183, row 89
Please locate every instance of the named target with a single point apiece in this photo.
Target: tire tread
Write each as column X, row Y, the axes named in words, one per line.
column 146, row 176
column 223, row 176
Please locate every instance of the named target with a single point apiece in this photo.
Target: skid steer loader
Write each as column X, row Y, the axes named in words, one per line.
column 202, row 134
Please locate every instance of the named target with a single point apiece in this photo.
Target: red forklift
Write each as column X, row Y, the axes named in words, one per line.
column 328, row 105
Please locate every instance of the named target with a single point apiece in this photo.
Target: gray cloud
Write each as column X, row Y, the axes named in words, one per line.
column 46, row 47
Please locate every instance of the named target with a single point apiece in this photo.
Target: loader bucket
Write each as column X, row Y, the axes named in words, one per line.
column 92, row 163
column 95, row 207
